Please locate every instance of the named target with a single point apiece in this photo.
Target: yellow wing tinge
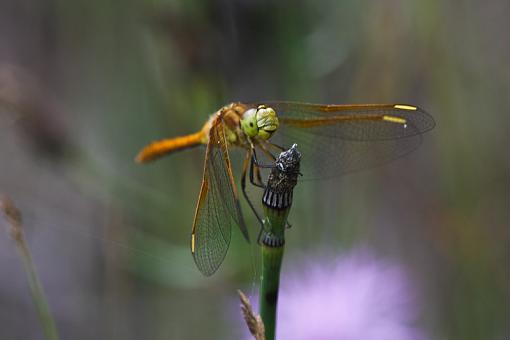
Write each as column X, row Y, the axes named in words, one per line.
column 394, row 119
column 193, row 243
column 405, row 107
column 314, row 122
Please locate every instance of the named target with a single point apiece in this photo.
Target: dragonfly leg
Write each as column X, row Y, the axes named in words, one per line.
column 266, row 151
column 276, row 146
column 254, row 169
column 255, row 160
column 247, row 160
column 257, row 175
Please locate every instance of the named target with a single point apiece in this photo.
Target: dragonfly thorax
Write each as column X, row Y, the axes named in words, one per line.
column 259, row 122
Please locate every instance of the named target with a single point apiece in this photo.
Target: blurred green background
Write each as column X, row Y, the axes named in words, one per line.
column 85, row 84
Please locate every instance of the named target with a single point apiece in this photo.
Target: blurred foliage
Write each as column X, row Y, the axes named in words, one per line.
column 85, row 84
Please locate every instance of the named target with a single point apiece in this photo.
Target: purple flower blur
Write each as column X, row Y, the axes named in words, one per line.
column 353, row 297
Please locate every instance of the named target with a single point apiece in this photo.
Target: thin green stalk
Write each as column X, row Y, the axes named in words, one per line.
column 277, row 200
column 13, row 218
column 272, row 257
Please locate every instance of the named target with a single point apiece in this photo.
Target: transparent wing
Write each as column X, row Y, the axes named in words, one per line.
column 218, row 206
column 337, row 139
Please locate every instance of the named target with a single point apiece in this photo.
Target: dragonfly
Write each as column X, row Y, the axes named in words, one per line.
column 333, row 140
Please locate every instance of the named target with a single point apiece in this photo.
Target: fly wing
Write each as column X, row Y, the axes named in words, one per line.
column 218, row 206
column 337, row 139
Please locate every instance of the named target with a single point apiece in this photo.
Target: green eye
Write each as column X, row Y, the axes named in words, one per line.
column 249, row 123
column 261, row 122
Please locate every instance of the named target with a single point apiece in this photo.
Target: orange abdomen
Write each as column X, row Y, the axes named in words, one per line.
column 167, row 146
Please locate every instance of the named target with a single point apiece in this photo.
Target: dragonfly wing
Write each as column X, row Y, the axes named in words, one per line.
column 218, row 206
column 337, row 139
column 365, row 122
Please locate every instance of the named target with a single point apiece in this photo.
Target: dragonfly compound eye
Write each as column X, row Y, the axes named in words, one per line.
column 267, row 121
column 249, row 123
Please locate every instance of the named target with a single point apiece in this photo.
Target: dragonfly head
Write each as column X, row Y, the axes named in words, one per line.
column 260, row 122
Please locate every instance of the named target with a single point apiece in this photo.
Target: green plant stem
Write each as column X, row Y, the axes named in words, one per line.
column 271, row 264
column 276, row 200
column 272, row 257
